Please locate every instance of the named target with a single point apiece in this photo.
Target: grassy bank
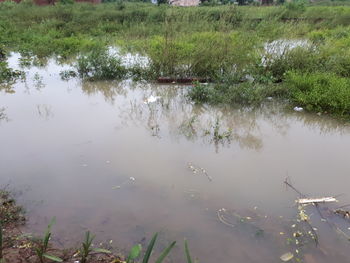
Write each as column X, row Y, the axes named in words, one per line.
column 226, row 44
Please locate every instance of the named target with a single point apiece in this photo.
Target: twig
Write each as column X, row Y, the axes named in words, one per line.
column 292, row 187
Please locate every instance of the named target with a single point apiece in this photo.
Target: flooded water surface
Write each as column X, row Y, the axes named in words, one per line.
column 126, row 160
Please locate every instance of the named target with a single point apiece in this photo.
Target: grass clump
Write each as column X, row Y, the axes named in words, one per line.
column 320, row 92
column 99, row 64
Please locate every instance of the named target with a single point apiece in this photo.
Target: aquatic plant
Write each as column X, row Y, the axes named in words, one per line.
column 42, row 245
column 136, row 251
column 86, row 247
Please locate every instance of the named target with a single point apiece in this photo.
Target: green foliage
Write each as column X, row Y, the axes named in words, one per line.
column 245, row 93
column 66, row 2
column 136, row 251
column 86, row 247
column 42, row 245
column 8, row 75
column 320, row 92
column 100, row 65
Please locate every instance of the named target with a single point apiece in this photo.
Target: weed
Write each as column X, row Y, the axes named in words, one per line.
column 320, row 92
column 100, row 65
column 86, row 248
column 136, row 251
column 43, row 245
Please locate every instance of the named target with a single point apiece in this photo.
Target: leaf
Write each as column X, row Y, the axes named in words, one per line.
column 101, row 250
column 150, row 248
column 187, row 251
column 134, row 252
column 52, row 257
column 165, row 252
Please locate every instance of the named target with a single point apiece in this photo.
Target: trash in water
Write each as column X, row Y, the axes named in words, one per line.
column 298, row 109
column 119, row 186
column 151, row 99
column 305, row 201
column 287, row 256
column 197, row 169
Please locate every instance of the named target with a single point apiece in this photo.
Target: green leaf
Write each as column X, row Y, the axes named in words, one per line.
column 187, row 251
column 52, row 257
column 165, row 252
column 134, row 253
column 150, row 248
column 101, row 250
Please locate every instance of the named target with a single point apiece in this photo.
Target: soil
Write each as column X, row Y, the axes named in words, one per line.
column 18, row 247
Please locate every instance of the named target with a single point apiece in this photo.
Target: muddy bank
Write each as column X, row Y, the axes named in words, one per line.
column 18, row 246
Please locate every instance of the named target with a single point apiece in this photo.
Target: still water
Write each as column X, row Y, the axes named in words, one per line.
column 98, row 156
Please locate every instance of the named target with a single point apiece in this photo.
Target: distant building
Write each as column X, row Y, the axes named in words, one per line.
column 184, row 2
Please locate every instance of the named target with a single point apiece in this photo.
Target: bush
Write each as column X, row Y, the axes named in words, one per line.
column 320, row 92
column 100, row 65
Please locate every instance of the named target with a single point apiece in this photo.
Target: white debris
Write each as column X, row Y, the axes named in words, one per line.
column 287, row 256
column 305, row 201
column 298, row 109
column 132, row 178
column 151, row 99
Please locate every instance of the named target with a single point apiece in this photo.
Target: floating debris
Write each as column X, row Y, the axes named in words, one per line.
column 120, row 186
column 305, row 201
column 151, row 99
column 299, row 109
column 197, row 169
column 287, row 256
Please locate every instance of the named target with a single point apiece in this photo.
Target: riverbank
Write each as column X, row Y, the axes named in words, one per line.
column 17, row 246
column 250, row 62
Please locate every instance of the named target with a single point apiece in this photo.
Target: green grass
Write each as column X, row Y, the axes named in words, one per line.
column 223, row 43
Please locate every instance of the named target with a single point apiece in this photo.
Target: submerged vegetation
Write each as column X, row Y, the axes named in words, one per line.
column 248, row 53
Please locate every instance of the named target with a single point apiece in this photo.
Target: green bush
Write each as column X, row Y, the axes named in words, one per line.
column 100, row 65
column 320, row 92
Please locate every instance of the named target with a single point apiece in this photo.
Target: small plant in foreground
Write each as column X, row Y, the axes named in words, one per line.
column 187, row 253
column 42, row 245
column 86, row 247
column 136, row 250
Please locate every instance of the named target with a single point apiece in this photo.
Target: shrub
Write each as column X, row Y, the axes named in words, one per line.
column 100, row 65
column 321, row 92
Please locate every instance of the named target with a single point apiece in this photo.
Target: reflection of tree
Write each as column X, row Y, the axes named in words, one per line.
column 7, row 88
column 44, row 111
column 174, row 115
column 182, row 119
column 109, row 89
column 3, row 116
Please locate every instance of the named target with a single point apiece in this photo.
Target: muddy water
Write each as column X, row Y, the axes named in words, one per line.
column 98, row 157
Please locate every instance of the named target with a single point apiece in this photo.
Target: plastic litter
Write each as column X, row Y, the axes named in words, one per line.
column 298, row 109
column 151, row 99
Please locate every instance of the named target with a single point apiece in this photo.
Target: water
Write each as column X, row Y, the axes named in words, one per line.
column 97, row 157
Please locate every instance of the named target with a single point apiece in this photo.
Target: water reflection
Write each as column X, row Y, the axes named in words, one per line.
column 101, row 134
column 109, row 89
column 3, row 116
